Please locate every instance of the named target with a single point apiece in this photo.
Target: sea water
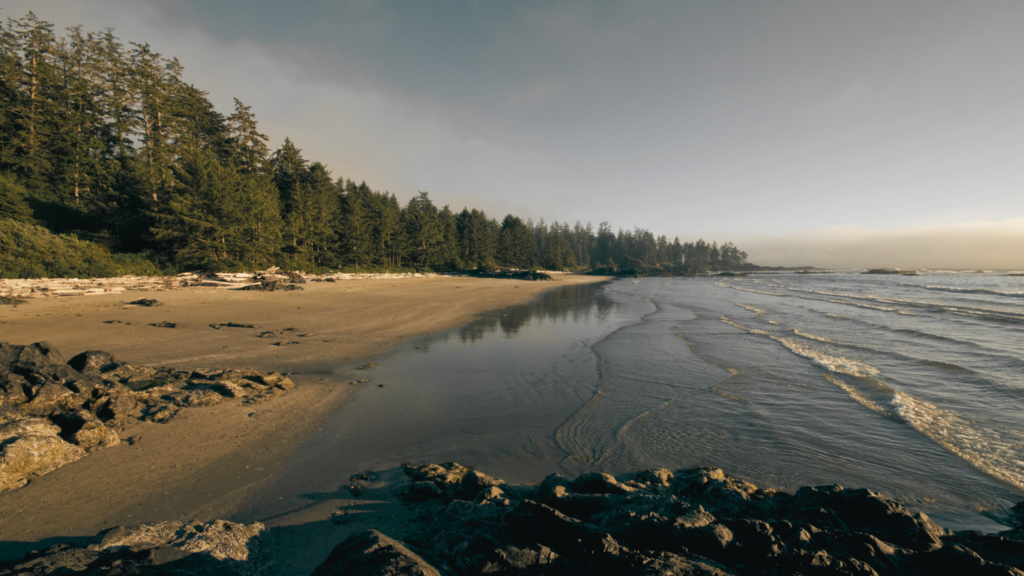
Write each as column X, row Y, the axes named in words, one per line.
column 909, row 385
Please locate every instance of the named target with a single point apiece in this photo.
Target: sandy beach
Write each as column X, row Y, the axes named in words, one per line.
column 205, row 463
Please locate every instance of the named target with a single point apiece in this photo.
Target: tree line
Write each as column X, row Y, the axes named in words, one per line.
column 108, row 142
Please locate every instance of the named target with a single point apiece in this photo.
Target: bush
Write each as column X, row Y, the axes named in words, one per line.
column 28, row 251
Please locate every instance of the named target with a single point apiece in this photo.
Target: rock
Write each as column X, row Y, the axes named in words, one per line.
column 371, row 553
column 86, row 431
column 447, row 476
column 9, row 413
column 599, row 483
column 474, row 483
column 13, row 386
column 118, row 408
column 8, row 301
column 46, row 400
column 512, row 560
column 661, row 477
column 492, row 495
column 218, row 539
column 554, row 486
column 164, row 324
column 92, row 362
column 425, row 491
column 148, row 302
column 32, row 447
column 667, row 564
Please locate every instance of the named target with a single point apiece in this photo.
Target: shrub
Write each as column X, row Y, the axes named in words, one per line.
column 28, row 251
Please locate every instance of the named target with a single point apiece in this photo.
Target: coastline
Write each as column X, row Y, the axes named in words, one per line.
column 206, row 463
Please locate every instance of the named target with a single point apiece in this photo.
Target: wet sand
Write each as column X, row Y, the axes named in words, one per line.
column 207, row 462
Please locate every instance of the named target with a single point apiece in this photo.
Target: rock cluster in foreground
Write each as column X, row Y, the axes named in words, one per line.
column 208, row 548
column 53, row 412
column 696, row 521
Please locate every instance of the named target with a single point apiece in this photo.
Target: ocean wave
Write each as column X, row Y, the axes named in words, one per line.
column 994, row 450
column 757, row 291
column 756, row 311
column 990, row 313
column 956, row 290
column 822, row 359
column 812, row 337
column 860, row 398
column 857, row 304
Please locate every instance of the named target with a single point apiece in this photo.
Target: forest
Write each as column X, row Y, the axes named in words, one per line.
column 111, row 163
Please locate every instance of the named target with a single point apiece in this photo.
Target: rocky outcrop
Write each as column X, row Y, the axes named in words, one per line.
column 695, row 521
column 54, row 412
column 192, row 548
column 371, row 553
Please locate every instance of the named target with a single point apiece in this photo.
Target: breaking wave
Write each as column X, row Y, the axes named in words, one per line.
column 994, row 450
column 823, row 359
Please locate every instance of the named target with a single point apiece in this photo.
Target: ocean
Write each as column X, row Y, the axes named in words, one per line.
column 912, row 386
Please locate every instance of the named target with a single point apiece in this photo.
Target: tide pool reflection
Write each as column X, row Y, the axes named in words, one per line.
column 575, row 304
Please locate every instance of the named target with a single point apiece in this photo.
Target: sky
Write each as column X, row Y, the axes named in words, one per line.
column 812, row 132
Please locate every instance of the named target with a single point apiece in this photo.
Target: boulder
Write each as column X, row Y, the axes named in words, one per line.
column 30, row 448
column 47, row 399
column 371, row 553
column 599, row 483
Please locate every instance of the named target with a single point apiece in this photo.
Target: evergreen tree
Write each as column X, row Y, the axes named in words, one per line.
column 204, row 218
column 516, row 244
column 247, row 146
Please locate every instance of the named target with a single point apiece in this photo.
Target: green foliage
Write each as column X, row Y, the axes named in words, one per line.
column 28, row 251
column 13, row 203
column 106, row 144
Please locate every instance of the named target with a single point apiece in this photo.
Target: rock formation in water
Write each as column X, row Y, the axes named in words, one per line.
column 54, row 412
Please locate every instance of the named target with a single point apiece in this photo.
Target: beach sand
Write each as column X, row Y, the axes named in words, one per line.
column 207, row 462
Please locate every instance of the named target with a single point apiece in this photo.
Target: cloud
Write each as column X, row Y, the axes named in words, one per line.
column 994, row 245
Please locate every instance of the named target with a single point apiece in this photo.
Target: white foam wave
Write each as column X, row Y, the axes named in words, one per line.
column 820, row 358
column 757, row 291
column 857, row 304
column 957, row 290
column 862, row 399
column 995, row 450
column 756, row 311
column 813, row 337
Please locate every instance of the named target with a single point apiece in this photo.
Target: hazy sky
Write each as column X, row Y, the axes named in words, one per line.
column 823, row 132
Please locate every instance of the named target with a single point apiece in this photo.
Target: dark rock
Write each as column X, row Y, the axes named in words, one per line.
column 146, row 302
column 599, row 483
column 425, row 491
column 230, row 325
column 92, row 362
column 473, row 483
column 164, row 325
column 371, row 553
column 512, row 560
column 958, row 559
column 8, row 301
column 668, row 564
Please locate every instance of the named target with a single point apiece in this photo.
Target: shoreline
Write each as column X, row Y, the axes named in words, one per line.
column 208, row 461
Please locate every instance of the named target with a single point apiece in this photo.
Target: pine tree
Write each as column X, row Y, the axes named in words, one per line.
column 247, row 146
column 204, row 218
